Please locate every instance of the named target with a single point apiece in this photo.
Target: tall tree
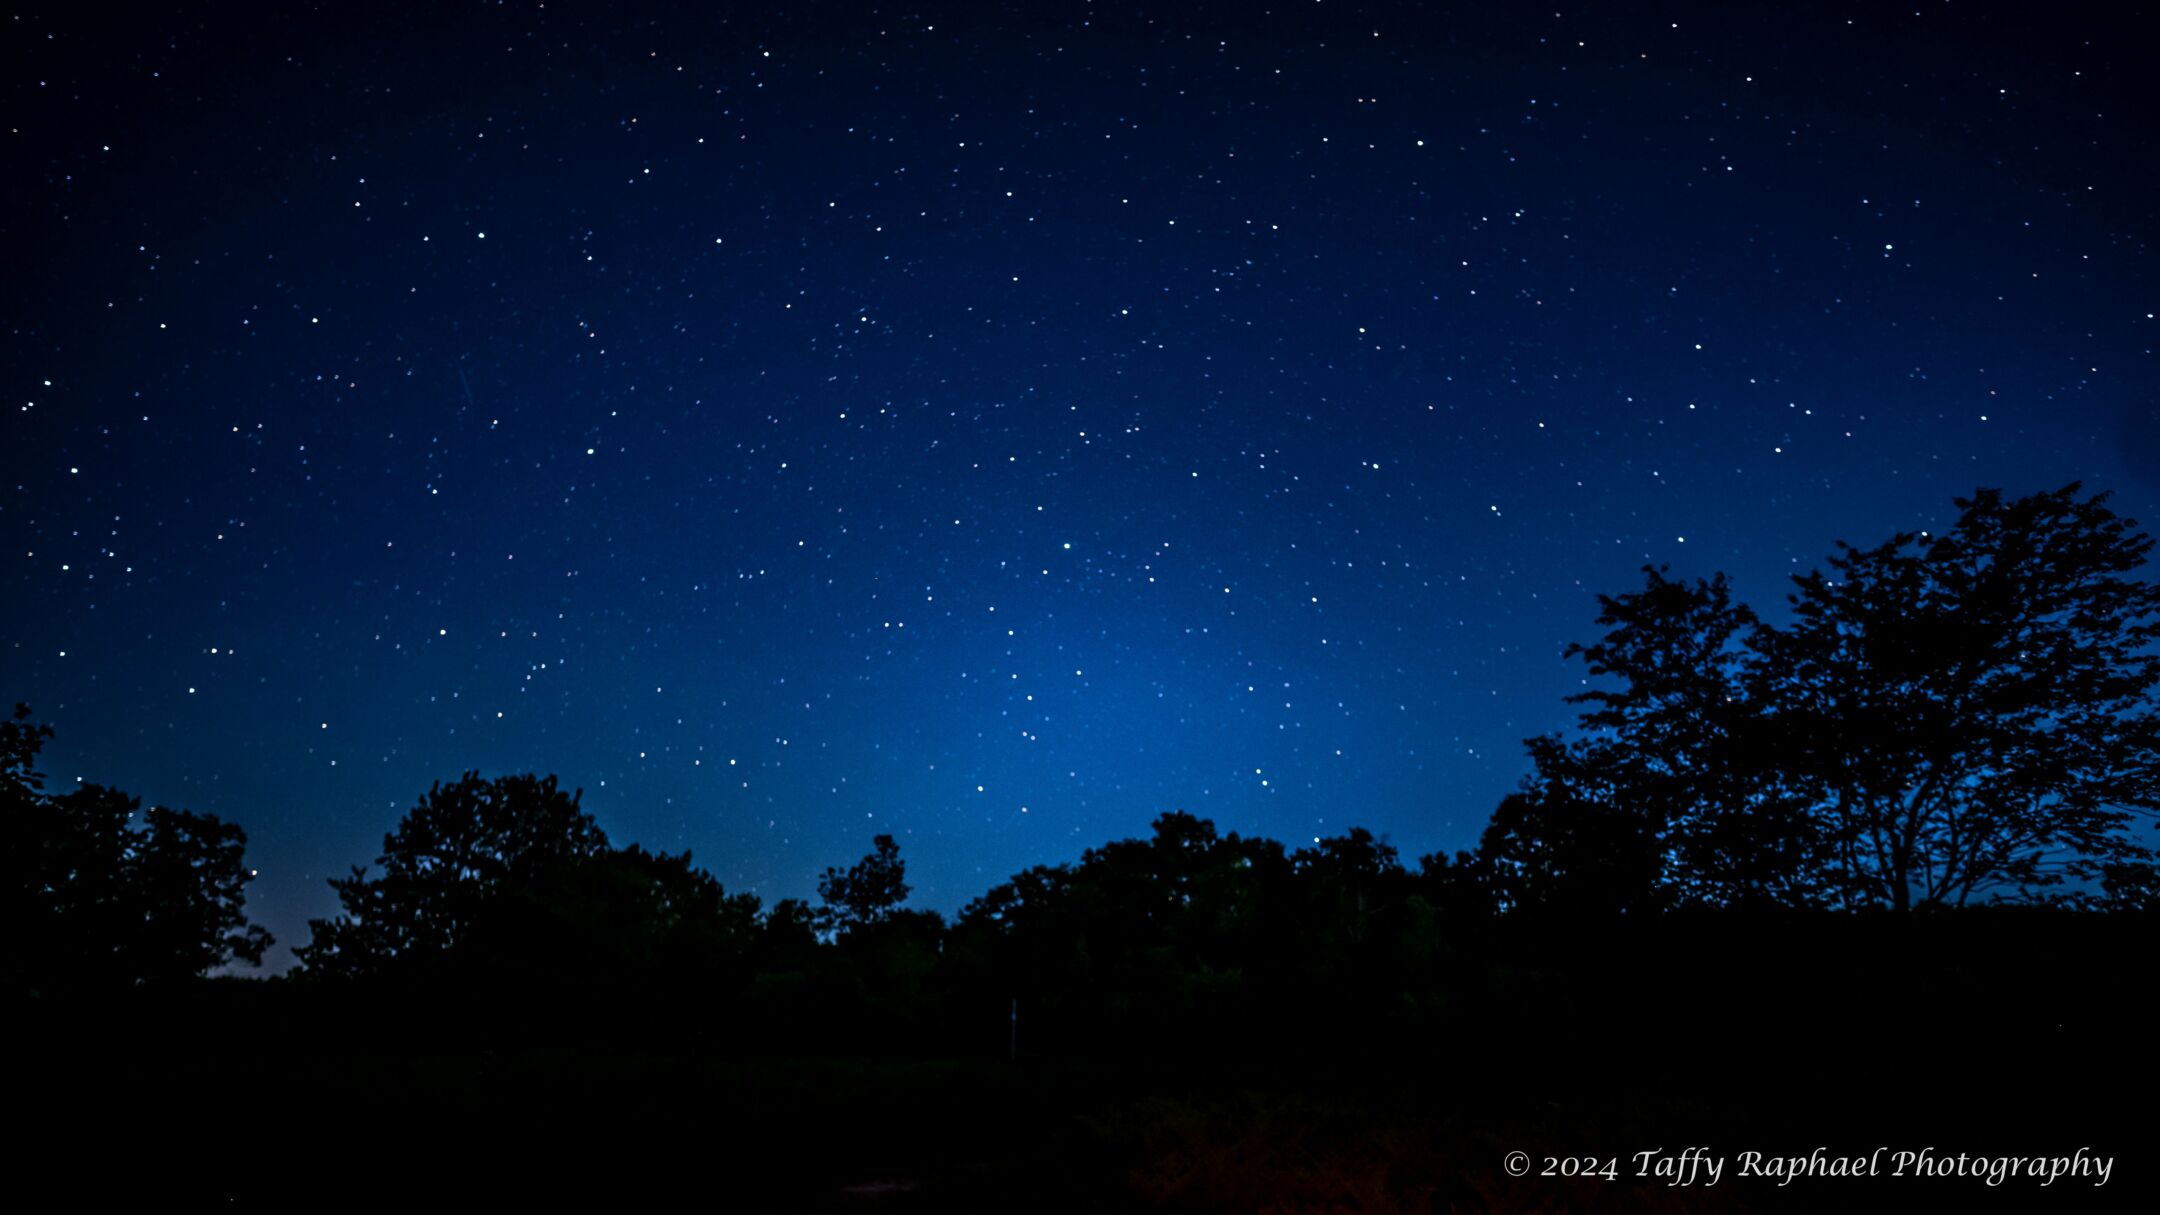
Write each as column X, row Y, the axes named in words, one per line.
column 451, row 856
column 106, row 894
column 1944, row 718
column 1973, row 713
column 1681, row 748
column 868, row 892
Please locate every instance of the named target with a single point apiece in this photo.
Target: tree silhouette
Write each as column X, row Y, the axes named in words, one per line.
column 787, row 937
column 463, row 845
column 1353, row 882
column 623, row 916
column 1679, row 761
column 868, row 892
column 1571, row 841
column 1945, row 717
column 103, row 898
column 508, row 883
column 20, row 743
column 1973, row 713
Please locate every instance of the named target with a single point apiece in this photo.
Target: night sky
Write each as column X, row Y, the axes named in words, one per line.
column 996, row 427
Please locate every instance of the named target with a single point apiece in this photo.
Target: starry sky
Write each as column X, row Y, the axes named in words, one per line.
column 996, row 426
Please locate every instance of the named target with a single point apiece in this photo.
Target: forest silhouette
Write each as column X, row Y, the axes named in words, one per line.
column 1881, row 864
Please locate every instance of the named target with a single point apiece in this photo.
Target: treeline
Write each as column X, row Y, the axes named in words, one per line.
column 1943, row 721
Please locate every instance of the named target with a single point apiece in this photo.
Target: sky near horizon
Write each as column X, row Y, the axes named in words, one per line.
column 997, row 425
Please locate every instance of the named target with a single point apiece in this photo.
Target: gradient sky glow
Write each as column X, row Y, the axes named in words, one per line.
column 996, row 425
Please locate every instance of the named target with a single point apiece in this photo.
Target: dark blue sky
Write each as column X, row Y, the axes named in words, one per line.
column 996, row 426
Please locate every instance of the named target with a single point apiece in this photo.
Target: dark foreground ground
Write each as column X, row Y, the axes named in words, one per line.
column 2025, row 1039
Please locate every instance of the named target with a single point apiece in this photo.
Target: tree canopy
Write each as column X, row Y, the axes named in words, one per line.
column 507, row 878
column 1944, row 718
column 107, row 894
column 867, row 892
